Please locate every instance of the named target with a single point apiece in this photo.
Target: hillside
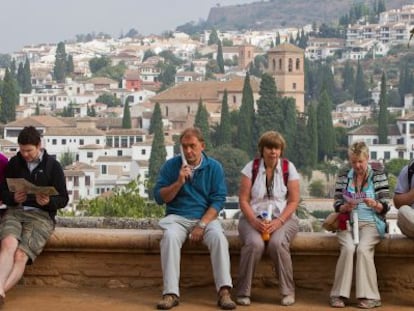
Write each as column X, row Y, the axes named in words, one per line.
column 285, row 13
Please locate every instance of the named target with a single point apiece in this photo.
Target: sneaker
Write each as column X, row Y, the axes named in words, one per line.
column 336, row 302
column 168, row 301
column 368, row 303
column 288, row 300
column 243, row 301
column 225, row 302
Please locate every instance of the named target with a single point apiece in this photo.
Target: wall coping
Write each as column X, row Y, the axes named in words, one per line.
column 147, row 241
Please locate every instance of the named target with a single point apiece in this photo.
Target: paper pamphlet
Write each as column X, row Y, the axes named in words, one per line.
column 184, row 160
column 354, row 198
column 21, row 184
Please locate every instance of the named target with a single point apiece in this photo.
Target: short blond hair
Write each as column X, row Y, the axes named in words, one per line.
column 271, row 139
column 359, row 149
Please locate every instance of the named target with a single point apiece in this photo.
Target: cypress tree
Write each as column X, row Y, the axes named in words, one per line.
column 156, row 116
column 37, row 110
column 326, row 133
column 126, row 118
column 59, row 70
column 70, row 67
column 27, row 78
column 10, row 98
column 299, row 145
column 220, row 59
column 348, row 76
column 158, row 151
column 268, row 113
column 246, row 119
column 213, row 38
column 201, row 121
column 312, row 130
column 361, row 91
column 289, row 123
column 224, row 137
column 20, row 77
column 383, row 113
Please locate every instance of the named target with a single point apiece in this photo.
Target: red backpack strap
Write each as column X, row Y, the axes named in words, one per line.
column 285, row 170
column 255, row 169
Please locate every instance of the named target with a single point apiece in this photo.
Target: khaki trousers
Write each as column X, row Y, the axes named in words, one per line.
column 406, row 220
column 366, row 285
column 278, row 248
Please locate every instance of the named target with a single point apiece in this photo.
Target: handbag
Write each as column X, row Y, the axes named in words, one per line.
column 331, row 222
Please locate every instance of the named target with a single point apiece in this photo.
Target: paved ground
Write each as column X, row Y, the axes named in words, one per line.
column 199, row 299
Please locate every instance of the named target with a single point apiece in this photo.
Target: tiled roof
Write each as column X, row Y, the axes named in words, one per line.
column 206, row 90
column 286, row 47
column 372, row 129
column 113, row 159
column 79, row 166
column 125, row 132
column 92, row 146
column 73, row 132
column 101, row 80
column 38, row 121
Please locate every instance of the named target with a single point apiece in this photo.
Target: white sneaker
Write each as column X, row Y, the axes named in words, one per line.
column 243, row 301
column 288, row 300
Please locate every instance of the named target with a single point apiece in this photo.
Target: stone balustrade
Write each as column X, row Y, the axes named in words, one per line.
column 116, row 258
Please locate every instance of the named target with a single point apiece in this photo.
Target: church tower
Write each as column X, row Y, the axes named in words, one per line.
column 286, row 65
column 246, row 56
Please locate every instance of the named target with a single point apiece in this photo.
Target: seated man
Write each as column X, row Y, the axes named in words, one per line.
column 30, row 218
column 404, row 201
column 193, row 187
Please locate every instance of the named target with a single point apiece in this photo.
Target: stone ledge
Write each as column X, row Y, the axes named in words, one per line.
column 129, row 258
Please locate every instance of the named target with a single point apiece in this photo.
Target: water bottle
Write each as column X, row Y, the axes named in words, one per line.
column 267, row 217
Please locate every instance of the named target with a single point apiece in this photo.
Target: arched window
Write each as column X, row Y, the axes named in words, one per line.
column 297, row 64
column 274, row 64
column 280, row 64
column 290, row 66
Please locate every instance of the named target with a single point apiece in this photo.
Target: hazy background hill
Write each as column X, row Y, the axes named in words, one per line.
column 276, row 13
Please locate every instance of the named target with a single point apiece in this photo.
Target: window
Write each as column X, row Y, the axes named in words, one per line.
column 124, row 141
column 116, row 142
column 143, row 151
column 274, row 65
column 400, row 155
column 54, row 141
column 411, row 128
column 234, row 99
column 119, row 153
column 290, row 66
column 373, row 155
column 81, row 142
column 109, row 140
column 104, row 169
column 280, row 64
column 97, row 141
column 63, row 141
column 87, row 180
column 294, row 86
column 76, row 181
column 387, row 155
column 297, row 64
column 89, row 155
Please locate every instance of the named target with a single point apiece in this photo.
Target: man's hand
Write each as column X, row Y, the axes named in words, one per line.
column 20, row 196
column 196, row 234
column 42, row 199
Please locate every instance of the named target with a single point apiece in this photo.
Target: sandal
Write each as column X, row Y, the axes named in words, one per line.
column 336, row 302
column 368, row 303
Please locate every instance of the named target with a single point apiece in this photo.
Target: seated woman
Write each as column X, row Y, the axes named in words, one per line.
column 361, row 196
column 268, row 193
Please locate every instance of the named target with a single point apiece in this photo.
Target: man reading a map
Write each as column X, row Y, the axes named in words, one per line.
column 29, row 220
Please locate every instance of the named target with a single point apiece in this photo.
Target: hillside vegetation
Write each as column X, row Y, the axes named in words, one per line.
column 285, row 13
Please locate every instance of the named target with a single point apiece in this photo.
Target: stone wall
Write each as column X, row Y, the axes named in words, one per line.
column 82, row 257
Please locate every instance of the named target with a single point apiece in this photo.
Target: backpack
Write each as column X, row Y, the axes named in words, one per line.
column 285, row 169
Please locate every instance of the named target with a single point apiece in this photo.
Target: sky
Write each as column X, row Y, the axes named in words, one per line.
column 25, row 22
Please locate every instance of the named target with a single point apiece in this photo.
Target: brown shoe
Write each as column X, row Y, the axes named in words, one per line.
column 168, row 301
column 224, row 301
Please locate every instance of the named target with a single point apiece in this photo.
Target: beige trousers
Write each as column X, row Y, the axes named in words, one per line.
column 366, row 285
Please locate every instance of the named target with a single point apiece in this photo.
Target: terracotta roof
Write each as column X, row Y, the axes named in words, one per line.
column 92, row 146
column 113, row 159
column 74, row 173
column 38, row 121
column 73, row 132
column 79, row 166
column 206, row 90
column 286, row 47
column 125, row 132
column 372, row 129
column 101, row 80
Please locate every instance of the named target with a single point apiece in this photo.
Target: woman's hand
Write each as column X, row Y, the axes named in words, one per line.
column 347, row 207
column 274, row 225
column 374, row 204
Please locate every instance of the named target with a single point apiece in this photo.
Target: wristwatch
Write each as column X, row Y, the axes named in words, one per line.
column 201, row 224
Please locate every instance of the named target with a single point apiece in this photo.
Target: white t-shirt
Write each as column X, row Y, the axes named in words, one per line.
column 259, row 196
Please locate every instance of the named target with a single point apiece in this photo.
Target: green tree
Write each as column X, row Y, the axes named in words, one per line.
column 67, row 158
column 394, row 166
column 348, row 76
column 125, row 202
column 269, row 115
column 70, row 67
column 148, row 54
column 201, row 121
column 98, row 63
column 298, row 147
column 158, row 153
column 317, row 189
column 246, row 119
column 289, row 123
column 20, row 77
column 213, row 38
column 167, row 75
column 126, row 118
column 312, row 130
column 326, row 133
column 37, row 110
column 156, row 118
column 27, row 78
column 9, row 98
column 59, row 70
column 108, row 99
column 233, row 161
column 224, row 137
column 362, row 95
column 220, row 59
column 383, row 113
